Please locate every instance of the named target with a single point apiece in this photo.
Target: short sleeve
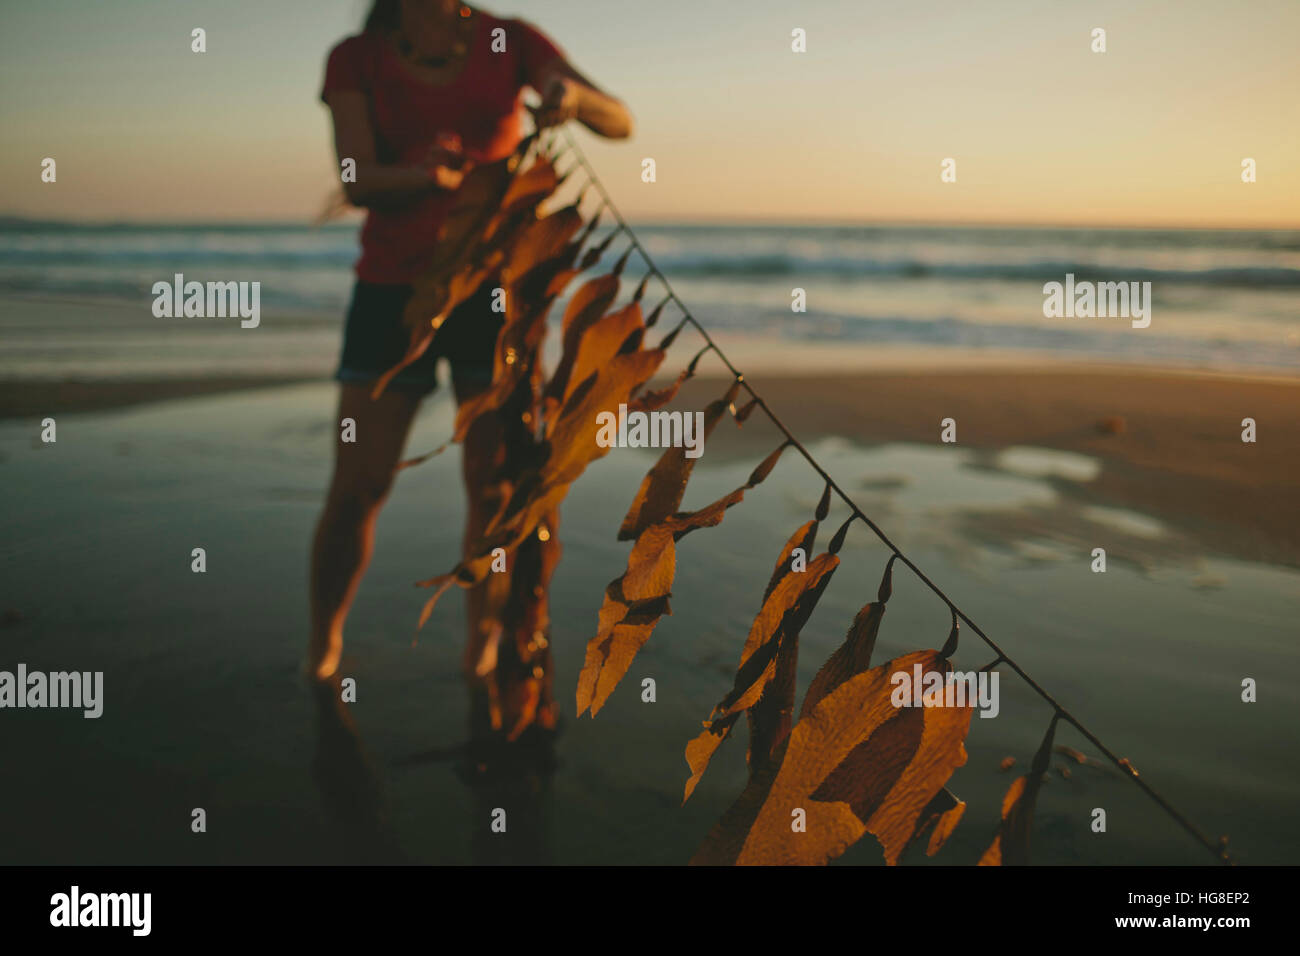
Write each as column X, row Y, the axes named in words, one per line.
column 346, row 67
column 538, row 51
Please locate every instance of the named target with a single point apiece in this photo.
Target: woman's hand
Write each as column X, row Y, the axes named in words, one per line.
column 567, row 94
column 445, row 162
column 560, row 102
column 442, row 165
column 444, row 177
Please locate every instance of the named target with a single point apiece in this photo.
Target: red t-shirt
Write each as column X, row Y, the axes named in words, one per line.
column 483, row 106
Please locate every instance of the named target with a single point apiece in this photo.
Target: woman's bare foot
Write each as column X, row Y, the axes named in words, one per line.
column 323, row 660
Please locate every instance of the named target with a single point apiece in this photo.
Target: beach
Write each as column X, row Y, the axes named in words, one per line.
column 96, row 565
column 176, row 434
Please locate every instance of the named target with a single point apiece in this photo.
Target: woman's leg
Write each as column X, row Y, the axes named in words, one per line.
column 363, row 475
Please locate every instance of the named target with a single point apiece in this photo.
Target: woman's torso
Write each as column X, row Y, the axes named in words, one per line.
column 481, row 105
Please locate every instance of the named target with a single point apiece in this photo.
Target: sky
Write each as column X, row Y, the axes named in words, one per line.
column 1042, row 129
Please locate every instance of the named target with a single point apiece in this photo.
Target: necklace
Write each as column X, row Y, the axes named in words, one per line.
column 436, row 62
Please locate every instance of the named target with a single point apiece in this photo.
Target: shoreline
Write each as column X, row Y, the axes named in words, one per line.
column 21, row 399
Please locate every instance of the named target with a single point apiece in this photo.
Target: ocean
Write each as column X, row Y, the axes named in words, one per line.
column 1220, row 299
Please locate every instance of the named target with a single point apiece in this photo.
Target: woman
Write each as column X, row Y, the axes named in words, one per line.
column 429, row 88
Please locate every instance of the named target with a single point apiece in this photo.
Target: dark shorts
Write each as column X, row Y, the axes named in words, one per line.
column 374, row 340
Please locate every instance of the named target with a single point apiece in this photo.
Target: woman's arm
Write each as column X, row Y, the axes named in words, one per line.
column 381, row 184
column 567, row 94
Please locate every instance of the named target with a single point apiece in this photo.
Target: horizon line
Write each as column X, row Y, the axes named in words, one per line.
column 10, row 219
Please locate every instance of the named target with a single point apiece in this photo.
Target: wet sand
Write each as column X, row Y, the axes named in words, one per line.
column 1170, row 443
column 38, row 399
